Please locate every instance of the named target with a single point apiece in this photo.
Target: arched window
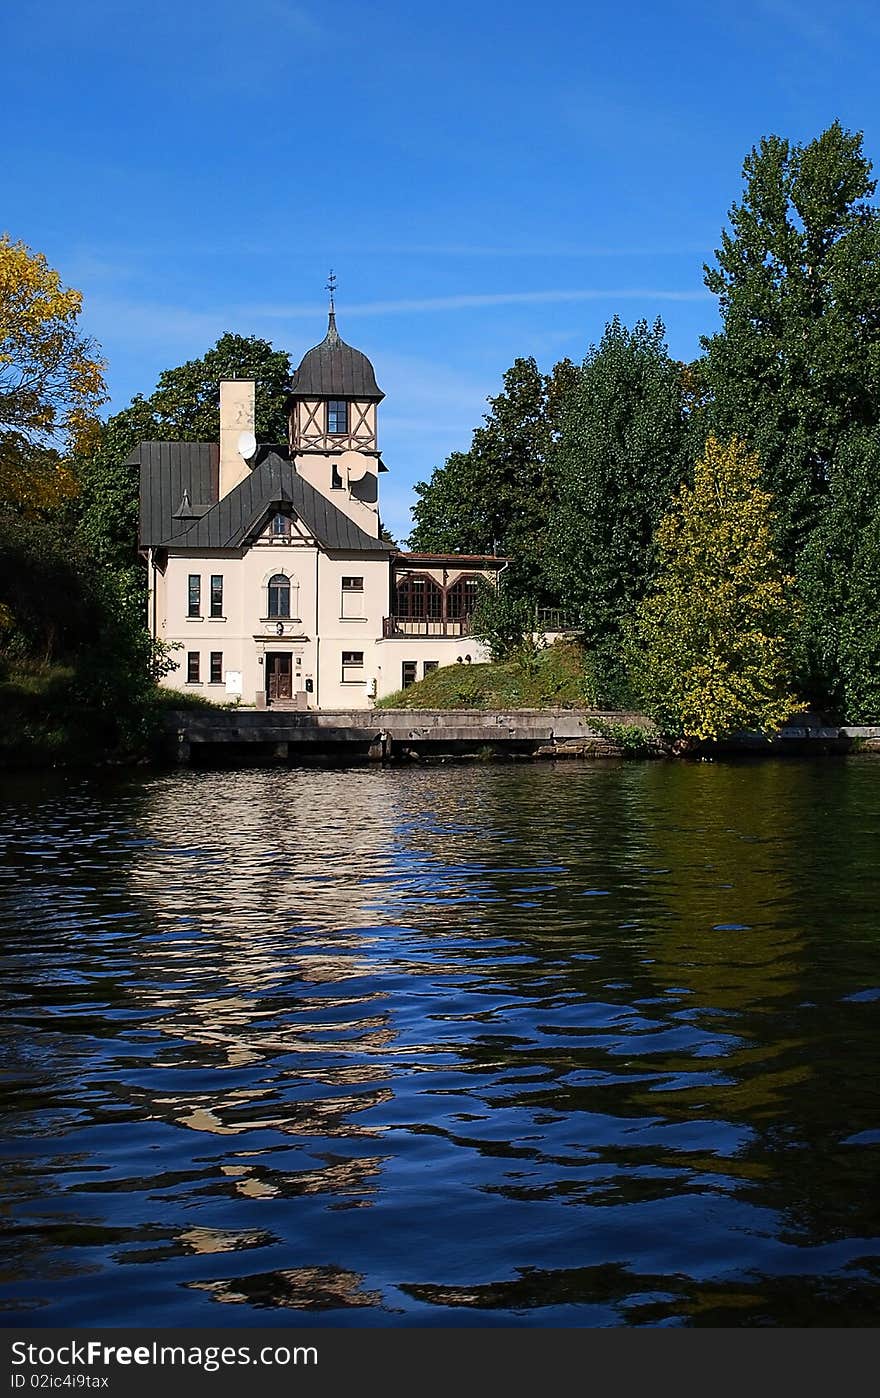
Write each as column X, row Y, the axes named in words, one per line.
column 418, row 598
column 461, row 598
column 279, row 595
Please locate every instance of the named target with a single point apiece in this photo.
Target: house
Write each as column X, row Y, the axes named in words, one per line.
column 268, row 573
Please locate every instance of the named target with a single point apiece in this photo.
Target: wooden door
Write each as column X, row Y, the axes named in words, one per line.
column 279, row 676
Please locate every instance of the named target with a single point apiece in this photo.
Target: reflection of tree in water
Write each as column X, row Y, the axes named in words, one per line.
column 679, row 1006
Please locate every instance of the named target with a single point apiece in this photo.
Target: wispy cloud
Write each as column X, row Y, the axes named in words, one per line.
column 469, row 301
column 537, row 250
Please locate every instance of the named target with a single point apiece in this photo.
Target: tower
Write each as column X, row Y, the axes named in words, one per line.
column 333, row 404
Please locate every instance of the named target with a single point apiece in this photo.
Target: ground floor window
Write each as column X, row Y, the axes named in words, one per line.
column 429, row 666
column 409, row 670
column 216, row 667
column 352, row 666
column 192, row 667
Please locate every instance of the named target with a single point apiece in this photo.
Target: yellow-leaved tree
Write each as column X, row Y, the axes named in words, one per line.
column 709, row 646
column 51, row 381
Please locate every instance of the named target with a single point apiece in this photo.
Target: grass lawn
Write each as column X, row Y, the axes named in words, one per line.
column 554, row 678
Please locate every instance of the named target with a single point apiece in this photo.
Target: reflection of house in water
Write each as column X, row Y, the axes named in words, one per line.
column 257, row 888
column 297, row 1288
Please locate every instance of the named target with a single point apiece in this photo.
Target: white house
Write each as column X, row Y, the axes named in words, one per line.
column 266, row 564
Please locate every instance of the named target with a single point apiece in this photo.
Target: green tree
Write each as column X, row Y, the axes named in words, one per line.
column 795, row 367
column 859, row 653
column 621, row 454
column 499, row 495
column 505, row 622
column 185, row 402
column 709, row 646
column 184, row 407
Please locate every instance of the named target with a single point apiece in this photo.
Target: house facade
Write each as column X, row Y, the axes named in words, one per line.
column 267, row 570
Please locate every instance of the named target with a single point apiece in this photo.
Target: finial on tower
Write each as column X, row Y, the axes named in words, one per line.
column 331, row 325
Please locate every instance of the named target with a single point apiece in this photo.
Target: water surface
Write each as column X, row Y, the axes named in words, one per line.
column 584, row 1044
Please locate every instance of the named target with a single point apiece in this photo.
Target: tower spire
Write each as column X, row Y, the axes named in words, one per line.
column 331, row 287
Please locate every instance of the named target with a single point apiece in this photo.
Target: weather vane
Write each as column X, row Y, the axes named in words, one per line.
column 331, row 287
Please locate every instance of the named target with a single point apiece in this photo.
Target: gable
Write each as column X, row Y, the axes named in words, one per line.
column 170, row 470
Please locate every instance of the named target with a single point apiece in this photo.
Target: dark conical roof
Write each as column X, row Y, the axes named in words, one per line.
column 334, row 370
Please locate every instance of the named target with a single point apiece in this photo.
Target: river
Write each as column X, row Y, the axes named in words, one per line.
column 576, row 1044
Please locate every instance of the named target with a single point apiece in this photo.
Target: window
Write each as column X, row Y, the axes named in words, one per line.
column 352, row 598
column 279, row 595
column 429, row 667
column 337, row 416
column 352, row 666
column 192, row 667
column 335, row 478
column 461, row 599
column 194, row 603
column 409, row 673
column 216, row 594
column 216, row 667
column 280, row 527
column 418, row 598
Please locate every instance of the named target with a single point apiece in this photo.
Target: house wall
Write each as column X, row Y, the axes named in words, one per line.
column 446, row 650
column 326, row 623
column 358, row 499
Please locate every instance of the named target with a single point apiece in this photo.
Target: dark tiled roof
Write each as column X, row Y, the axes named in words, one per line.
column 232, row 522
column 334, row 370
column 168, row 470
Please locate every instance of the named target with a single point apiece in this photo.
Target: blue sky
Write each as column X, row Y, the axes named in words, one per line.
column 487, row 179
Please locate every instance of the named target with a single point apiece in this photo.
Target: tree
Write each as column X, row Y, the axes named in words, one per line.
column 860, row 630
column 621, row 454
column 500, row 494
column 183, row 407
column 709, row 647
column 796, row 366
column 51, row 382
column 503, row 621
column 185, row 402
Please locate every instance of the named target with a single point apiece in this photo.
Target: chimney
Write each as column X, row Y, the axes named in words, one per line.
column 237, row 413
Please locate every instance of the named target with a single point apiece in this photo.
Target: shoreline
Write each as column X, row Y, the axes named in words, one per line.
column 248, row 737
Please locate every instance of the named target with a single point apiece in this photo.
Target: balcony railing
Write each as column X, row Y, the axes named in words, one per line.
column 425, row 626
column 557, row 619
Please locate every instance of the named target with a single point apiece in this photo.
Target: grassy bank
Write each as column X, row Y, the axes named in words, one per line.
column 554, row 678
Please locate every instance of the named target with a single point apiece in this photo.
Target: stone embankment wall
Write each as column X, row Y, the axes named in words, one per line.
column 388, row 733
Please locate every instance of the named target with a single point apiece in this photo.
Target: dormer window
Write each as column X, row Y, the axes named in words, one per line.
column 280, row 527
column 337, row 417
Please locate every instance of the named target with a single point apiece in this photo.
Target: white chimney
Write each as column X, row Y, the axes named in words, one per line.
column 237, row 415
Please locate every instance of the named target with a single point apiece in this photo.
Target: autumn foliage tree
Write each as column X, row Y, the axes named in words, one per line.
column 709, row 649
column 51, row 381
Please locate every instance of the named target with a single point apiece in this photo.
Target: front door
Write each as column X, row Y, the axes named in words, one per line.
column 279, row 676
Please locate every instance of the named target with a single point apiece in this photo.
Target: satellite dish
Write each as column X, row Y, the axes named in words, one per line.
column 247, row 445
column 356, row 465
